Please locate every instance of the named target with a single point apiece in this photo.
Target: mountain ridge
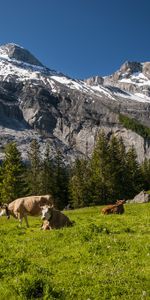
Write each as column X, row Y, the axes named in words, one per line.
column 36, row 102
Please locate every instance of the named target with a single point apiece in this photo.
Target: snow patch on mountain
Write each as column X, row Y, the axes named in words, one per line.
column 21, row 71
column 134, row 97
column 103, row 90
column 137, row 78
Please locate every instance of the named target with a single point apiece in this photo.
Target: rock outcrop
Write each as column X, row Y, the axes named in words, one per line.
column 142, row 197
column 95, row 80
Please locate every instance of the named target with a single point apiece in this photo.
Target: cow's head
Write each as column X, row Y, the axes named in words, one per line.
column 120, row 202
column 4, row 211
column 46, row 211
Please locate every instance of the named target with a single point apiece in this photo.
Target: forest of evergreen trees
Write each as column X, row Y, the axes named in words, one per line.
column 112, row 173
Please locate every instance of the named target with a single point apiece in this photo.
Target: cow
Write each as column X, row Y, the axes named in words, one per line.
column 116, row 208
column 56, row 219
column 22, row 207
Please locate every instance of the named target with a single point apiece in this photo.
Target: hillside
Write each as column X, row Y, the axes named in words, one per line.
column 100, row 257
column 36, row 102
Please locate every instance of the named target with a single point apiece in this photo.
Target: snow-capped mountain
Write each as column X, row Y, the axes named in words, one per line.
column 132, row 77
column 36, row 102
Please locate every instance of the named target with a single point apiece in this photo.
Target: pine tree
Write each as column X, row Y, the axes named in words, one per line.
column 100, row 171
column 13, row 184
column 34, row 170
column 145, row 169
column 60, row 187
column 78, row 184
column 117, row 168
column 1, row 181
column 134, row 183
column 47, row 173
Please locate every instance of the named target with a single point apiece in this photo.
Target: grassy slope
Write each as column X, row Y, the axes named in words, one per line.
column 101, row 257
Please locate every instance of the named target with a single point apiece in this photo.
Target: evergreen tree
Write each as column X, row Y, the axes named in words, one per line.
column 117, row 168
column 134, row 182
column 47, row 173
column 145, row 169
column 1, row 181
column 60, row 187
column 100, row 171
column 34, row 170
column 78, row 184
column 13, row 184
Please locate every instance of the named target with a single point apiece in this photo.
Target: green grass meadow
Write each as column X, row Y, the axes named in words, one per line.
column 100, row 257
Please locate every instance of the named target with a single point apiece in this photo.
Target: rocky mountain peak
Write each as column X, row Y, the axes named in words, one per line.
column 17, row 52
column 146, row 69
column 131, row 67
column 128, row 70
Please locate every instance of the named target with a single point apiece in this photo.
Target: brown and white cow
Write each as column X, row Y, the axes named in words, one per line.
column 54, row 218
column 22, row 207
column 116, row 208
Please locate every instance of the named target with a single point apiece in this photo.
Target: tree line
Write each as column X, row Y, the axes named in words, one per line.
column 111, row 173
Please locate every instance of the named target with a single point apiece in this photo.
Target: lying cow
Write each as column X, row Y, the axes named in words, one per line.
column 116, row 208
column 54, row 218
column 22, row 207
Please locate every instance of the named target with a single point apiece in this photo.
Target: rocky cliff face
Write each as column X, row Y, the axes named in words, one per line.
column 36, row 102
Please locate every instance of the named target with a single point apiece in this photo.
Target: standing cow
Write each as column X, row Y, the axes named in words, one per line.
column 22, row 207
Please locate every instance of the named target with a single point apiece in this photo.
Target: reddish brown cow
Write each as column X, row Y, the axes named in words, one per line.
column 116, row 208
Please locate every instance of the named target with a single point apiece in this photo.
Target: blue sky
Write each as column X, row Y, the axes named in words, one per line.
column 80, row 38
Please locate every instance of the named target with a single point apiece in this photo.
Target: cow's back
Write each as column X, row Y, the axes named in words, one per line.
column 59, row 220
column 14, row 205
column 33, row 204
column 30, row 205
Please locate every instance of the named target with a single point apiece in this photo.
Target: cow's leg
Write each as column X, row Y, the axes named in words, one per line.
column 15, row 215
column 20, row 219
column 26, row 220
column 18, row 216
